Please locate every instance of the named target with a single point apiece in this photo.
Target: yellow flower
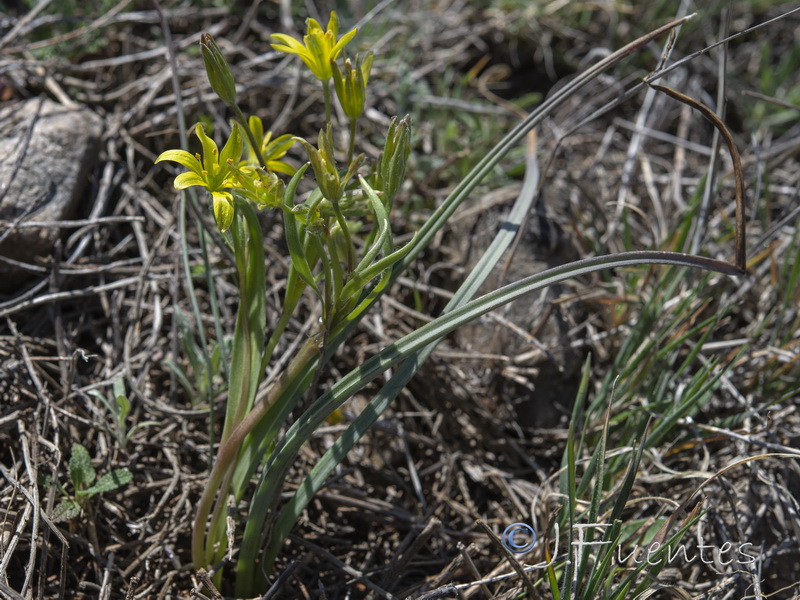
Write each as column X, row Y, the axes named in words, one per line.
column 271, row 150
column 213, row 173
column 321, row 47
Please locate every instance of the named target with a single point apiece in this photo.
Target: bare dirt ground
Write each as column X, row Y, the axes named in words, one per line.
column 480, row 433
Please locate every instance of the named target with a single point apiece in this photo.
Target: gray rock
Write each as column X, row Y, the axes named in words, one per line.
column 46, row 154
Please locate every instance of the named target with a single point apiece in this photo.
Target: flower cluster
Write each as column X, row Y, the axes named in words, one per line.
column 254, row 178
column 226, row 172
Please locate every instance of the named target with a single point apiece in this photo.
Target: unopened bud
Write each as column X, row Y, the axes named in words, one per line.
column 392, row 164
column 351, row 85
column 217, row 69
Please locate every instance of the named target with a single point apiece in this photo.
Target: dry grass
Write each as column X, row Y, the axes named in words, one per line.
column 399, row 518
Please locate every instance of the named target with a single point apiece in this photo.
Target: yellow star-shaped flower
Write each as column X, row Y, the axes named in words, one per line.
column 321, row 47
column 213, row 173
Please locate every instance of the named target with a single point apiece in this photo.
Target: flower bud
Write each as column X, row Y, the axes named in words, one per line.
column 217, row 69
column 351, row 85
column 269, row 188
column 324, row 165
column 392, row 164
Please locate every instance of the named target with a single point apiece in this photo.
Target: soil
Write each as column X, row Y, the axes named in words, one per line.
column 480, row 435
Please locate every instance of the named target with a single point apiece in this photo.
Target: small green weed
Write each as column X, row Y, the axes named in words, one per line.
column 85, row 484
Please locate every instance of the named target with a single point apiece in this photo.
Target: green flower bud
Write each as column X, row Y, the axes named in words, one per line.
column 392, row 164
column 270, row 188
column 324, row 165
column 217, row 69
column 352, row 84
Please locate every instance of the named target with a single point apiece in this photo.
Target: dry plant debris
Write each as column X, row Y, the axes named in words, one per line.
column 399, row 518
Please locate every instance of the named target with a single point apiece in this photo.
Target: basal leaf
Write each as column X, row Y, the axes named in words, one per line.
column 81, row 471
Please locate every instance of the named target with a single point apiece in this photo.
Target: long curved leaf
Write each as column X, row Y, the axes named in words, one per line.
column 303, row 429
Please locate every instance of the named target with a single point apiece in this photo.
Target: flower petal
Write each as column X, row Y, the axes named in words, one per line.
column 189, row 179
column 319, row 53
column 312, row 25
column 210, row 150
column 342, row 43
column 333, row 24
column 182, row 157
column 223, row 209
column 232, row 149
column 277, row 147
column 256, row 127
column 281, row 167
column 287, row 44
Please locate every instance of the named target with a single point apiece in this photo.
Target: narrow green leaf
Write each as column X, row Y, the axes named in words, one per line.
column 359, row 280
column 567, row 585
column 122, row 402
column 601, row 570
column 303, row 429
column 294, row 239
column 627, row 485
column 181, row 375
column 658, row 560
column 383, row 399
column 384, row 230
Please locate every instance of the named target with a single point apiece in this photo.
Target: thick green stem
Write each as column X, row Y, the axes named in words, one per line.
column 229, row 450
column 248, row 348
column 242, row 330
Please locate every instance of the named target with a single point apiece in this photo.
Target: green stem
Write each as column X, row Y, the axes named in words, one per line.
column 327, row 291
column 245, row 374
column 241, row 244
column 326, row 89
column 255, row 144
column 348, row 239
column 352, row 149
column 337, row 275
column 229, row 450
column 217, row 530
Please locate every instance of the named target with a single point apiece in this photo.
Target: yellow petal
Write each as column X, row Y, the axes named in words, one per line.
column 181, row 157
column 313, row 25
column 223, row 209
column 287, row 44
column 281, row 167
column 210, row 150
column 185, row 180
column 342, row 42
column 233, row 147
column 333, row 24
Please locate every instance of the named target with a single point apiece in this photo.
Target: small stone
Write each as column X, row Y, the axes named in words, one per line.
column 47, row 152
